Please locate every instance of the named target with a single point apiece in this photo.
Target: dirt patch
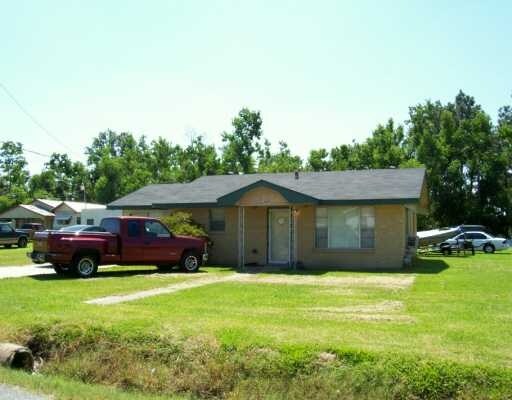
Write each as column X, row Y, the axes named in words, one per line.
column 379, row 312
column 383, row 306
column 387, row 282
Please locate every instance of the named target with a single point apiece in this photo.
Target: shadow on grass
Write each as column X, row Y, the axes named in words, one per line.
column 421, row 266
column 110, row 273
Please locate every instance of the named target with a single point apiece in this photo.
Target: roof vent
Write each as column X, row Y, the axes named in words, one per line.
column 296, row 174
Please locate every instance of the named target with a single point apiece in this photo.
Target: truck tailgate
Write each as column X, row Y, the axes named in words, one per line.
column 41, row 242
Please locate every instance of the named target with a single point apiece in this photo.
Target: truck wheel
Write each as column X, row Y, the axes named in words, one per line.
column 60, row 269
column 190, row 261
column 85, row 266
column 22, row 242
column 488, row 248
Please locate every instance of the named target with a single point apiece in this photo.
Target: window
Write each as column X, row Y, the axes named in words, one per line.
column 6, row 228
column 475, row 235
column 64, row 221
column 345, row 227
column 111, row 225
column 90, row 221
column 155, row 229
column 133, row 229
column 217, row 220
column 78, row 220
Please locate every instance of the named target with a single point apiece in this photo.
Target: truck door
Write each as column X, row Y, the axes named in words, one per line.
column 133, row 244
column 158, row 244
column 7, row 234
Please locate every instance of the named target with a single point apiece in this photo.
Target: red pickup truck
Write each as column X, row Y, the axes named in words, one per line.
column 127, row 241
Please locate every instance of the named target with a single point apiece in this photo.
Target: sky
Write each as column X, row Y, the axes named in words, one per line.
column 322, row 73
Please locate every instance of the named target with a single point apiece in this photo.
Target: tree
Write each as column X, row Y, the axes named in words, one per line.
column 318, row 160
column 242, row 143
column 12, row 166
column 196, row 160
column 119, row 164
column 466, row 161
column 282, row 161
column 13, row 175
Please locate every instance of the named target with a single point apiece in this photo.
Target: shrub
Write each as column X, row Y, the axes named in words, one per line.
column 181, row 223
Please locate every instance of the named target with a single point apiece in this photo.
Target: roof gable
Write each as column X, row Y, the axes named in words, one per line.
column 291, row 196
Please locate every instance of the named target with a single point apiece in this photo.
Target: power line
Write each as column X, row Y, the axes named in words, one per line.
column 36, row 152
column 33, row 119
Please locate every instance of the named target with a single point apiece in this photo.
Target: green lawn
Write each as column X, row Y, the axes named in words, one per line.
column 15, row 256
column 458, row 309
column 66, row 389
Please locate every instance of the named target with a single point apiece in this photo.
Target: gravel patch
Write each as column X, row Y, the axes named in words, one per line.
column 387, row 282
column 15, row 393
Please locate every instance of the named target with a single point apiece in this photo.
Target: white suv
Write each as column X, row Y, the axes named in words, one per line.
column 481, row 241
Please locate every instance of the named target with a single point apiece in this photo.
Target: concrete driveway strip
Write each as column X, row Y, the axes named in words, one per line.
column 189, row 284
column 8, row 392
column 26, row 270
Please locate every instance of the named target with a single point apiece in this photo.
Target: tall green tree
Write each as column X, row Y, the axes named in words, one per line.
column 318, row 160
column 13, row 174
column 119, row 164
column 242, row 143
column 197, row 159
column 281, row 161
column 465, row 156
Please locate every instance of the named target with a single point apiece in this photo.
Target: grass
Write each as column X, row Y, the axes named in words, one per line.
column 458, row 317
column 67, row 389
column 15, row 256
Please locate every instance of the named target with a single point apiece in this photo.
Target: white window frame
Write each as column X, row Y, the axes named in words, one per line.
column 360, row 209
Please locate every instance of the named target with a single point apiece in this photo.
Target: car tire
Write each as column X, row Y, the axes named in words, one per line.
column 488, row 248
column 60, row 269
column 190, row 261
column 22, row 242
column 85, row 266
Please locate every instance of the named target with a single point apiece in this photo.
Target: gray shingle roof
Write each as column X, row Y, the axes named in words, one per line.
column 381, row 185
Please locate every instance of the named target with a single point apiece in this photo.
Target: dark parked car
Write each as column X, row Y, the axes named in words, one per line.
column 31, row 228
column 10, row 236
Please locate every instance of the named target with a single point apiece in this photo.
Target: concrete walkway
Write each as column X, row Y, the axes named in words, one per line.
column 25, row 270
column 8, row 392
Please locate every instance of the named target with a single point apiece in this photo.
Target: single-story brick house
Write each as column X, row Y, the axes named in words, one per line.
column 350, row 219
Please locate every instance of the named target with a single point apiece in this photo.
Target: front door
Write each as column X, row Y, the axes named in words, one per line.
column 278, row 235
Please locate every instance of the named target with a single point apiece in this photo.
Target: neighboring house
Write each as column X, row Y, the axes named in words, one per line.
column 70, row 213
column 27, row 213
column 54, row 214
column 93, row 216
column 350, row 219
column 46, row 204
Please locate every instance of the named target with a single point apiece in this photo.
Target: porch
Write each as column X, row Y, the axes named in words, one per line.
column 267, row 235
